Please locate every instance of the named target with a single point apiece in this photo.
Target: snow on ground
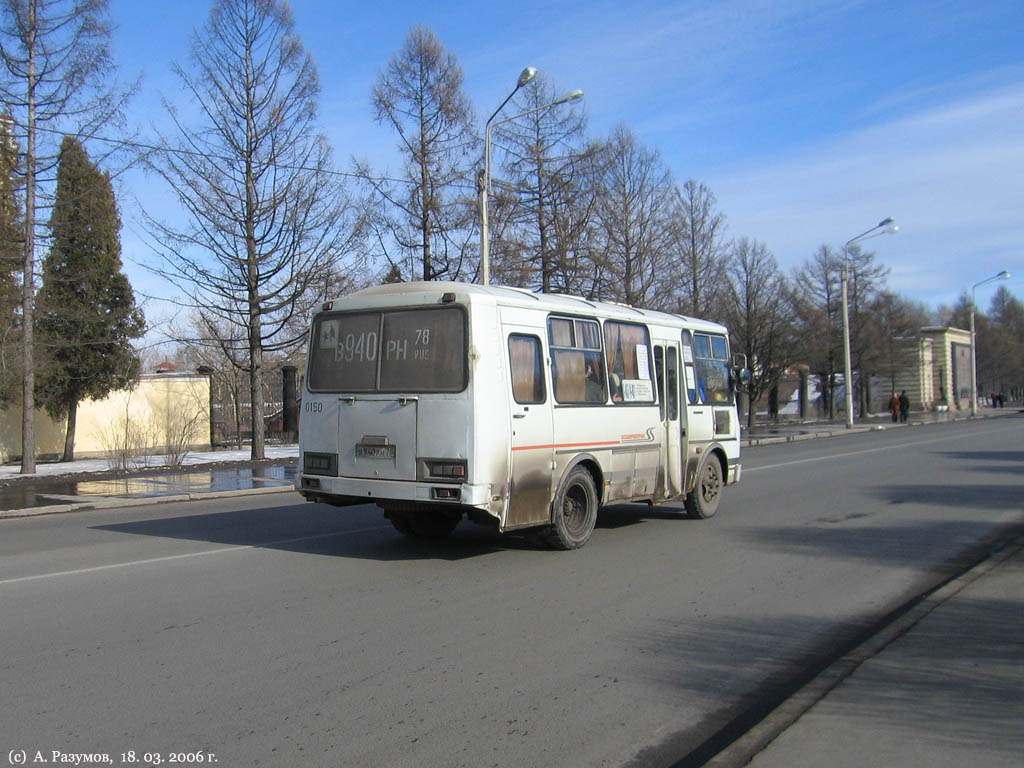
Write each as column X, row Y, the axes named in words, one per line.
column 10, row 471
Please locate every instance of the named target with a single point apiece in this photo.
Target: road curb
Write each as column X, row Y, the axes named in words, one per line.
column 752, row 442
column 142, row 501
column 760, row 736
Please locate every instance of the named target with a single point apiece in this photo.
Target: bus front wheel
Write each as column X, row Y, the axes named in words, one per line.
column 703, row 501
column 574, row 512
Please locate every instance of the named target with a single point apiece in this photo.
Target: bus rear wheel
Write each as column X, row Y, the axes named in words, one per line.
column 574, row 512
column 703, row 502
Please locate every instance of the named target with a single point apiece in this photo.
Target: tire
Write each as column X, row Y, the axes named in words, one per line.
column 703, row 502
column 574, row 511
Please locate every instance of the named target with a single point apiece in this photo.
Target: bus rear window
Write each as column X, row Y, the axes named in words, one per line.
column 417, row 350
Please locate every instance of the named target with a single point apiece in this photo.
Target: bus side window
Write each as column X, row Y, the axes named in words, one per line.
column 577, row 363
column 524, row 357
column 627, row 348
column 712, row 360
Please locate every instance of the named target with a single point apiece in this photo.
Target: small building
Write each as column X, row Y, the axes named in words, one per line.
column 165, row 412
column 935, row 369
column 932, row 367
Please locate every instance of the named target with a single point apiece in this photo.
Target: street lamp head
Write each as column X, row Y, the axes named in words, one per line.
column 1004, row 275
column 886, row 226
column 570, row 96
column 526, row 76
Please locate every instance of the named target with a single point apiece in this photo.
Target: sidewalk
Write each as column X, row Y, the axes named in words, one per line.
column 768, row 434
column 941, row 686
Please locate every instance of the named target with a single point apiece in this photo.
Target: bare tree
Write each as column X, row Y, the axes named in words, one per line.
column 266, row 216
column 429, row 212
column 545, row 157
column 1006, row 351
column 892, row 321
column 817, row 307
column 699, row 234
column 55, row 73
column 759, row 317
column 632, row 219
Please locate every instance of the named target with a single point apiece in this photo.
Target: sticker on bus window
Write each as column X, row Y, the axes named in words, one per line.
column 643, row 368
column 687, row 353
column 691, row 382
column 637, row 390
column 329, row 334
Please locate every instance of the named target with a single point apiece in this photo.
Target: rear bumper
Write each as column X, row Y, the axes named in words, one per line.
column 372, row 491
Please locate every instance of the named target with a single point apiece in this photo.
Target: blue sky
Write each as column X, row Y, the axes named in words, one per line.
column 810, row 121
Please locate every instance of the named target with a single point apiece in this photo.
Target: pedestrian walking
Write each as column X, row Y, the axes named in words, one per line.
column 904, row 406
column 894, row 407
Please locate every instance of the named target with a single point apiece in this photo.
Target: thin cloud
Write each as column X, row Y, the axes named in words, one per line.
column 952, row 175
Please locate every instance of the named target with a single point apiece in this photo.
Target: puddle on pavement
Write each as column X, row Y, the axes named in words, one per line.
column 166, row 484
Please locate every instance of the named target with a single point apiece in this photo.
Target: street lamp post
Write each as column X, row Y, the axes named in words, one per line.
column 884, row 227
column 484, row 180
column 1004, row 275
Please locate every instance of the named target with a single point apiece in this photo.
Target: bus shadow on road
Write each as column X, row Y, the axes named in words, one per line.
column 361, row 532
column 356, row 532
column 625, row 515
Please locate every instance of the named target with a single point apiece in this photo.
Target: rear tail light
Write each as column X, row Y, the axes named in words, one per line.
column 447, row 470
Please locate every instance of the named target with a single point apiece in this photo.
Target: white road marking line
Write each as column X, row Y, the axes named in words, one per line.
column 204, row 553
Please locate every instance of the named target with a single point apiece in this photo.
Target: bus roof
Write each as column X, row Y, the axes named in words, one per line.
column 430, row 292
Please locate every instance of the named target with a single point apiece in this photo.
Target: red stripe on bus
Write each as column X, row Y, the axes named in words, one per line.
column 564, row 445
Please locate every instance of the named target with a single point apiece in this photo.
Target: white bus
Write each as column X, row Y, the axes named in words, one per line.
column 515, row 409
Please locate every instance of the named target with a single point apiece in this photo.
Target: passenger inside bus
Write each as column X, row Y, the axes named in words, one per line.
column 595, row 389
column 615, row 385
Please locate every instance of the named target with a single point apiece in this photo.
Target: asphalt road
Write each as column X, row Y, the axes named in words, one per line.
column 267, row 631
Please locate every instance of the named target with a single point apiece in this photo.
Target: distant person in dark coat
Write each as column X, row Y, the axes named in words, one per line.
column 904, row 406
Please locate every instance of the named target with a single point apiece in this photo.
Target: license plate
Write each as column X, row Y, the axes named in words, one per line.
column 364, row 451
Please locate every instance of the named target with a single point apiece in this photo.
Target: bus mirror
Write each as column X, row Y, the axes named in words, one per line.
column 740, row 372
column 739, row 378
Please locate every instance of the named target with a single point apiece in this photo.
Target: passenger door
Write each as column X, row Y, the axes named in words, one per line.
column 673, row 415
column 700, row 417
column 531, row 430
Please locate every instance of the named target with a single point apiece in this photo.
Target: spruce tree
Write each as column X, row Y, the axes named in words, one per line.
column 86, row 310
